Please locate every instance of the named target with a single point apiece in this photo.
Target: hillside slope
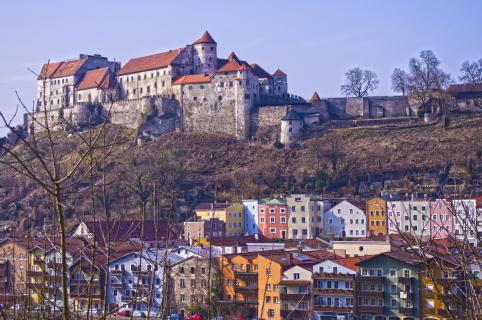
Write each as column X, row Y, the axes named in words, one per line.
column 235, row 169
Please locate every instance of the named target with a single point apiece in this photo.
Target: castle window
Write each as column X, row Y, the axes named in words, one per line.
column 139, row 77
column 189, row 87
column 220, row 98
column 209, row 59
column 194, row 99
column 152, row 75
column 204, row 99
column 163, row 83
column 164, row 72
column 145, row 76
column 140, row 90
column 148, row 89
column 201, row 86
column 221, row 84
column 157, row 74
column 155, row 84
column 120, row 80
column 133, row 91
column 80, row 96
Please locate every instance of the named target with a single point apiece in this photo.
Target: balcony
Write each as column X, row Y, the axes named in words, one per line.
column 295, row 296
column 247, row 288
column 118, row 273
column 370, row 279
column 407, row 311
column 333, row 291
column 376, row 294
column 370, row 309
column 337, row 309
column 245, row 274
column 405, row 280
column 330, row 275
column 35, row 273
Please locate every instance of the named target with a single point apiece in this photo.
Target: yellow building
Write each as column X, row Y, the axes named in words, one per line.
column 436, row 287
column 230, row 213
column 239, row 284
column 270, row 272
column 37, row 276
column 376, row 217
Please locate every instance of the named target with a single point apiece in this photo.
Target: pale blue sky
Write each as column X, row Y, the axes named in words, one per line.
column 314, row 42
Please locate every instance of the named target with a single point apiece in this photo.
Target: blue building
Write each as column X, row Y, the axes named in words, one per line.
column 250, row 216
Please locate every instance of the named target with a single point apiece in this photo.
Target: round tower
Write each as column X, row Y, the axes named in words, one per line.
column 205, row 54
column 291, row 127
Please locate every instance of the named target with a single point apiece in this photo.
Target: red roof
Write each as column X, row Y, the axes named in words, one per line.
column 154, row 61
column 465, row 88
column 193, row 78
column 234, row 64
column 351, row 262
column 315, row 97
column 205, row 38
column 279, row 73
column 61, row 69
column 98, row 78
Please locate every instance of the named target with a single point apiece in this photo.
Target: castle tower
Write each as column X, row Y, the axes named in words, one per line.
column 280, row 83
column 205, row 54
column 291, row 127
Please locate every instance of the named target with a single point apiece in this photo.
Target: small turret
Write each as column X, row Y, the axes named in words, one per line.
column 291, row 127
column 205, row 54
column 280, row 80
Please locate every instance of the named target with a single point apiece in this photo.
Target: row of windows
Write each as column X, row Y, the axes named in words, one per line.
column 139, row 77
column 273, row 220
column 377, row 213
column 273, row 210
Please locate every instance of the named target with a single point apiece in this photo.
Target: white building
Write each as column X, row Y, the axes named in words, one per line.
column 133, row 276
column 465, row 219
column 411, row 216
column 250, row 216
column 345, row 220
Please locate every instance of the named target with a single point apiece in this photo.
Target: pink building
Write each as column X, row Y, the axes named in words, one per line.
column 441, row 219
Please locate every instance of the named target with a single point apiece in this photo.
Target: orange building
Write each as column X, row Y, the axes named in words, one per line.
column 376, row 217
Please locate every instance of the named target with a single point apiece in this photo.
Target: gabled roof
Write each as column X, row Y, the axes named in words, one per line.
column 61, row 69
column 275, row 201
column 98, row 78
column 401, row 256
column 234, row 64
column 151, row 62
column 193, row 78
column 315, row 97
column 205, row 38
column 292, row 115
column 279, row 73
column 260, row 72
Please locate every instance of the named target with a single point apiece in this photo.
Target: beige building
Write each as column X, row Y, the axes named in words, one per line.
column 305, row 216
column 194, row 230
column 189, row 284
column 360, row 248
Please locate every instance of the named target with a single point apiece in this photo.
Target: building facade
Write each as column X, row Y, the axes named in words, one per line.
column 306, row 216
column 345, row 220
column 273, row 219
column 250, row 216
column 376, row 217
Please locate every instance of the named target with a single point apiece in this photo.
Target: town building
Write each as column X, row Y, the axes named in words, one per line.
column 191, row 281
column 306, row 216
column 376, row 217
column 465, row 220
column 231, row 213
column 412, row 216
column 195, row 230
column 296, row 291
column 388, row 285
column 250, row 216
column 334, row 288
column 360, row 247
column 345, row 220
column 441, row 219
column 87, row 283
column 273, row 219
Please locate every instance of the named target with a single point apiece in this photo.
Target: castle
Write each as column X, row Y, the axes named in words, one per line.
column 189, row 89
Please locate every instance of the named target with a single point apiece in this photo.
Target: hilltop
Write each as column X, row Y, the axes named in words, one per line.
column 407, row 153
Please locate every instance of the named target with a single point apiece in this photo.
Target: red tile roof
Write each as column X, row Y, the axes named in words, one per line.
column 194, row 78
column 279, row 73
column 260, row 72
column 61, row 69
column 315, row 97
column 98, row 78
column 151, row 62
column 465, row 88
column 351, row 262
column 205, row 38
column 234, row 64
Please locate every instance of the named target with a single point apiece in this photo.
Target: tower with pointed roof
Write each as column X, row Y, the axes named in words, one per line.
column 205, row 54
column 280, row 80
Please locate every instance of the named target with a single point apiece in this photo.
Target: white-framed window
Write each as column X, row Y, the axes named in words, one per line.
column 283, row 220
column 272, row 230
column 272, row 220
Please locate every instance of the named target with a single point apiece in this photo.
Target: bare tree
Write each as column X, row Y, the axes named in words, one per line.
column 400, row 81
column 359, row 83
column 471, row 72
column 426, row 75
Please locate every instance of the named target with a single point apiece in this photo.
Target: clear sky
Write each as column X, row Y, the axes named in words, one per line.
column 314, row 42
